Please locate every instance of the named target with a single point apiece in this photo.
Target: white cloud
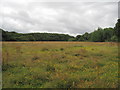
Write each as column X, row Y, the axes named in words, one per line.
column 71, row 17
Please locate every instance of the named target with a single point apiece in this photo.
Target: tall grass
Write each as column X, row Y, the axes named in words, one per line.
column 60, row 65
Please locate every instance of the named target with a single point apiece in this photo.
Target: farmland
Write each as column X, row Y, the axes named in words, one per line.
column 60, row 64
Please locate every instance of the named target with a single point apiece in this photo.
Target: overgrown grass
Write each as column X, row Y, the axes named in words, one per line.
column 60, row 65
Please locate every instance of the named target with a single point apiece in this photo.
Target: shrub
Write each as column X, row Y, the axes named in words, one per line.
column 61, row 49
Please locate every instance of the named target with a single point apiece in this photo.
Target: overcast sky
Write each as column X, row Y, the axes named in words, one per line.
column 57, row 16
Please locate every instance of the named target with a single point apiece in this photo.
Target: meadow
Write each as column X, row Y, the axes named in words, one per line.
column 60, row 65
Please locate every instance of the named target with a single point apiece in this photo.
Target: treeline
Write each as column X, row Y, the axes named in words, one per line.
column 99, row 35
column 14, row 36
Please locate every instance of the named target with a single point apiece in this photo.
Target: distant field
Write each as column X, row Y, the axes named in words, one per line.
column 60, row 65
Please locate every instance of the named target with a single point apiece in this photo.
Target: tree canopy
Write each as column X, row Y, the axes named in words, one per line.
column 13, row 36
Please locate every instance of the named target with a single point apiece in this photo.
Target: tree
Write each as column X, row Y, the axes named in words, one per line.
column 97, row 36
column 114, row 38
column 78, row 37
column 108, row 33
column 13, row 36
column 117, row 29
column 86, row 36
column 72, row 39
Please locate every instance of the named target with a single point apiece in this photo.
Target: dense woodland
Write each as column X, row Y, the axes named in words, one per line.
column 99, row 35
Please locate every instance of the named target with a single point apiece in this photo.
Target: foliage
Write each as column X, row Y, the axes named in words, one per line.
column 72, row 39
column 13, row 36
column 117, row 29
column 114, row 38
column 102, row 35
column 99, row 35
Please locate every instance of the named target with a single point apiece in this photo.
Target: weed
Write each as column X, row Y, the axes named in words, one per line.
column 59, row 65
column 35, row 58
column 7, row 67
column 98, row 54
column 44, row 49
column 61, row 49
column 78, row 46
column 76, row 54
column 50, row 68
column 63, row 61
column 100, row 64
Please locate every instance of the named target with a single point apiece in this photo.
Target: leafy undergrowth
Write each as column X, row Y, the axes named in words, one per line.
column 60, row 65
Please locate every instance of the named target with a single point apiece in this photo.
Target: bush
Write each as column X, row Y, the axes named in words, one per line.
column 72, row 39
column 114, row 38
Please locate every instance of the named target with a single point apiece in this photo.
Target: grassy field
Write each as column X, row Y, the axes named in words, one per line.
column 60, row 65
